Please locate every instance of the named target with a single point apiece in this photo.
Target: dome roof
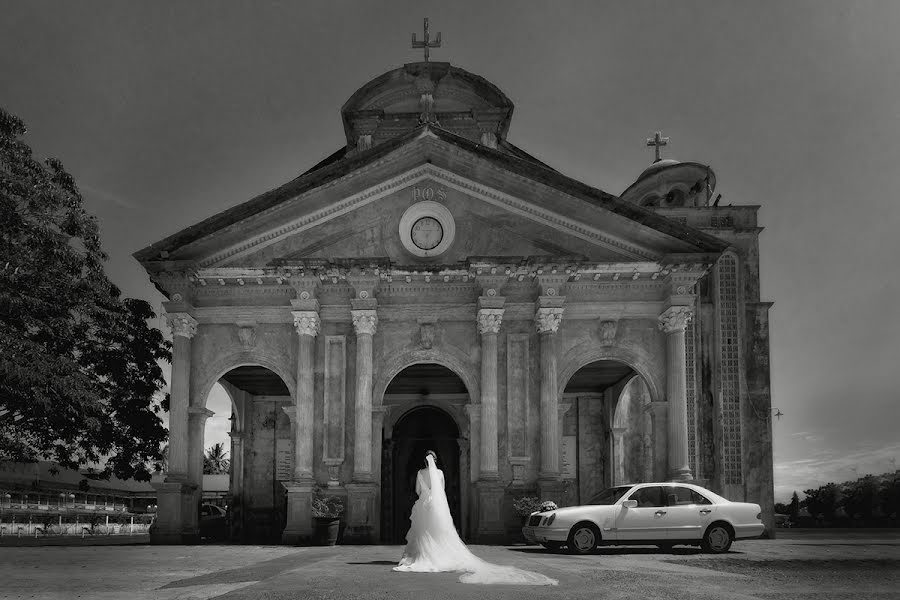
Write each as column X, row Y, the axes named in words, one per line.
column 400, row 100
column 660, row 164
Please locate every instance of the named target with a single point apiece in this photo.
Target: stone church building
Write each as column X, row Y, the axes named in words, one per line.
column 432, row 286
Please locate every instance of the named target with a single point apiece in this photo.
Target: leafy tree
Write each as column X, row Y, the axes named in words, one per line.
column 794, row 507
column 781, row 508
column 79, row 365
column 215, row 463
column 890, row 495
column 824, row 500
column 861, row 497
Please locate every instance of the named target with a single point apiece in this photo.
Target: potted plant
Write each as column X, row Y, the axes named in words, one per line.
column 326, row 511
column 526, row 505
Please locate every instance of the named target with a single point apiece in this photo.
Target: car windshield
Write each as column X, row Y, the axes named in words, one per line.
column 610, row 495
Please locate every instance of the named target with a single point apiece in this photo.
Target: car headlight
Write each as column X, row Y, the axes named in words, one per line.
column 759, row 516
column 550, row 520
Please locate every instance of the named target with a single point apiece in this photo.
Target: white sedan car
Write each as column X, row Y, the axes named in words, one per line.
column 661, row 514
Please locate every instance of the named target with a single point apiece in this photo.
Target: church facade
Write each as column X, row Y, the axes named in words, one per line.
column 432, row 286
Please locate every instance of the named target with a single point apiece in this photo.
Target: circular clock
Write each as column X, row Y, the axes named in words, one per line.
column 427, row 233
column 427, row 229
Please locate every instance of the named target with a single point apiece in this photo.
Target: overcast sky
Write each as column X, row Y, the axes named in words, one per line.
column 167, row 113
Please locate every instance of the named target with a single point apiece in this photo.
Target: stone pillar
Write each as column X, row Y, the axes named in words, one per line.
column 176, row 493
column 474, row 411
column 364, row 322
column 547, row 322
column 298, row 524
column 184, row 327
column 618, row 436
column 489, row 320
column 197, row 416
column 673, row 322
column 307, row 323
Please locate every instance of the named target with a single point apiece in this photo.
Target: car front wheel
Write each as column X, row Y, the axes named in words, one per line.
column 717, row 539
column 584, row 538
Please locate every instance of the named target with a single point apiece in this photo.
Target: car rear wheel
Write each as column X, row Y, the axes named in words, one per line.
column 717, row 538
column 584, row 538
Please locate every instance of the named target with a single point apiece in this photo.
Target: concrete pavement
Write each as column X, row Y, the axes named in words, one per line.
column 795, row 566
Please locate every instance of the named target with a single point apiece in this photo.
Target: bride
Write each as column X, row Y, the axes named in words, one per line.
column 433, row 545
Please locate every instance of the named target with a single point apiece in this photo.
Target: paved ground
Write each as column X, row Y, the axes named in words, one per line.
column 820, row 565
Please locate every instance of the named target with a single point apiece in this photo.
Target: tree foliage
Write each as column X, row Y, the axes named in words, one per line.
column 80, row 379
column 872, row 499
column 214, row 462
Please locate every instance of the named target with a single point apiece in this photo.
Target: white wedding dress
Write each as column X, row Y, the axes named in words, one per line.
column 432, row 544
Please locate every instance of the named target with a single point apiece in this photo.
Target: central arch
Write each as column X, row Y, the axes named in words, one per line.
column 426, row 403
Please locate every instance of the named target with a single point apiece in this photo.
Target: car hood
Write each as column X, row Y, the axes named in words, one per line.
column 580, row 509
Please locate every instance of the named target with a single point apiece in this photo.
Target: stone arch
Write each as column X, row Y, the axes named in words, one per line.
column 445, row 356
column 398, row 411
column 588, row 352
column 234, row 360
column 620, row 415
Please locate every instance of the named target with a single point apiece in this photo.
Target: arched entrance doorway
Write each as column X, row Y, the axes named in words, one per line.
column 259, row 438
column 423, row 395
column 603, row 428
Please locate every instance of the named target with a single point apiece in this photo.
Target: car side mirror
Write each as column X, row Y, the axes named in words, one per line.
column 630, row 503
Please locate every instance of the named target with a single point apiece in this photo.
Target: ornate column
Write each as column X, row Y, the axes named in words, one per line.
column 184, row 328
column 365, row 322
column 547, row 321
column 489, row 320
column 307, row 324
column 298, row 524
column 673, row 322
column 174, row 513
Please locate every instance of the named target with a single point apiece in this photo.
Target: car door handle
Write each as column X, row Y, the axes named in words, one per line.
column 705, row 511
column 660, row 513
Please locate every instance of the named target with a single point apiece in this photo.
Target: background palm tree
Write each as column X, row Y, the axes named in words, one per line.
column 215, row 463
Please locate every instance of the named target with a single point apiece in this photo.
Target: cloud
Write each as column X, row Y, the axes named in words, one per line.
column 826, row 466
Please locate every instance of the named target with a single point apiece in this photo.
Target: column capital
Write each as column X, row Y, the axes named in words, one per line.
column 307, row 322
column 365, row 321
column 199, row 412
column 489, row 320
column 675, row 319
column 547, row 320
column 182, row 324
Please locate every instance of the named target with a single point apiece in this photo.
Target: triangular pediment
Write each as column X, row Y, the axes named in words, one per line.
column 498, row 208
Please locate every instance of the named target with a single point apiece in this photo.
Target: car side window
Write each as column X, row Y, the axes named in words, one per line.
column 677, row 495
column 649, row 497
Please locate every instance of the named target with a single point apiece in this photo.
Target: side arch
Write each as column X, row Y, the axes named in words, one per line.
column 213, row 373
column 445, row 356
column 586, row 353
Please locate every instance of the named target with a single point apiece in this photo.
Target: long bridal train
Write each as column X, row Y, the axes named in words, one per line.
column 434, row 546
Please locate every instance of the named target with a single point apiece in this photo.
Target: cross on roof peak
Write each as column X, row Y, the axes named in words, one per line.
column 658, row 142
column 426, row 44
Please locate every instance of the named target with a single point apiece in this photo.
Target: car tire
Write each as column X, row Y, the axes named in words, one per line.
column 717, row 539
column 553, row 546
column 584, row 538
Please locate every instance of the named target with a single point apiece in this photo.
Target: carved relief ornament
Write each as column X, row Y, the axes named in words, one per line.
column 364, row 321
column 306, row 322
column 607, row 331
column 182, row 324
column 547, row 319
column 489, row 320
column 675, row 319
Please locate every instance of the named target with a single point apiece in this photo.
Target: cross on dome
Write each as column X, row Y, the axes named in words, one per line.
column 426, row 44
column 658, row 142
